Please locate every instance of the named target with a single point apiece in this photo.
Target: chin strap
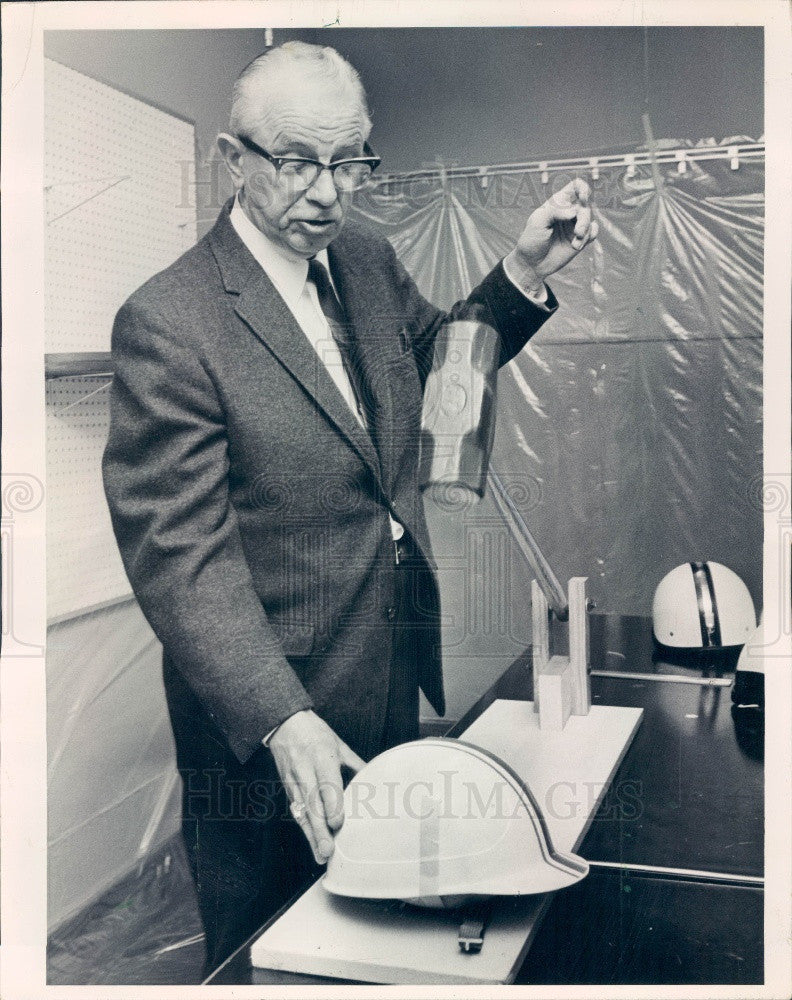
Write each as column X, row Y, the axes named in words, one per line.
column 475, row 917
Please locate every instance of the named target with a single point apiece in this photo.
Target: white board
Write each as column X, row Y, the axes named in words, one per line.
column 118, row 208
column 388, row 942
column 118, row 205
column 84, row 567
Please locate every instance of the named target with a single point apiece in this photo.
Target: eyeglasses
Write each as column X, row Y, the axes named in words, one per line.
column 301, row 172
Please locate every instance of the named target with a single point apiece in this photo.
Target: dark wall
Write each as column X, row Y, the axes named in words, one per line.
column 467, row 95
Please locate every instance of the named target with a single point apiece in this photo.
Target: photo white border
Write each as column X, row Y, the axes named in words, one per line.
column 22, row 685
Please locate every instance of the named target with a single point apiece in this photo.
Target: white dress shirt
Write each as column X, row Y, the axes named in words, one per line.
column 290, row 278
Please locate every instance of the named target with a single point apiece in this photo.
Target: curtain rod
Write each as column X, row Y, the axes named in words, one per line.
column 681, row 156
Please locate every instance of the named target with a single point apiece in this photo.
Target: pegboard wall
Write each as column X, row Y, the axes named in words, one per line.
column 117, row 203
column 84, row 568
column 117, row 211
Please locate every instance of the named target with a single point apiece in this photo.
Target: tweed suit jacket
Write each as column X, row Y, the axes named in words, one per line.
column 249, row 505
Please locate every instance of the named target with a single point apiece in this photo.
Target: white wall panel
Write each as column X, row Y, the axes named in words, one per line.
column 117, row 209
column 84, row 567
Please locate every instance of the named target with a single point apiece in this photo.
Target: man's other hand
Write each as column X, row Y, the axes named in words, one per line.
column 555, row 233
column 309, row 755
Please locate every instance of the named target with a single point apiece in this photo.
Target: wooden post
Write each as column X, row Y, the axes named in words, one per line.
column 579, row 646
column 561, row 684
column 540, row 637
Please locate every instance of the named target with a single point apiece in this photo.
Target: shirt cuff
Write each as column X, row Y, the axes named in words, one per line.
column 270, row 734
column 538, row 296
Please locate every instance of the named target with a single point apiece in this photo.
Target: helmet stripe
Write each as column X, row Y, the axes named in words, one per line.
column 709, row 621
column 716, row 637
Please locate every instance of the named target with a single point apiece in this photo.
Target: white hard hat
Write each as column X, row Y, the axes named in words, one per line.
column 437, row 821
column 702, row 605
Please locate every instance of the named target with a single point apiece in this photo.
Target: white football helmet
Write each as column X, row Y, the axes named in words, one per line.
column 702, row 605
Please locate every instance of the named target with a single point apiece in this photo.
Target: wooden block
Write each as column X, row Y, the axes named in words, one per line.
column 554, row 689
column 381, row 941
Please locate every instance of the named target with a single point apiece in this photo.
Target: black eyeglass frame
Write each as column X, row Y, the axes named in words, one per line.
column 277, row 161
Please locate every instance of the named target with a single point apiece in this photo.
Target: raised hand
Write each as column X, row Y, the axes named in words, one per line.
column 555, row 233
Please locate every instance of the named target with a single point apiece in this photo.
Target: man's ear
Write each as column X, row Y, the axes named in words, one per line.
column 231, row 150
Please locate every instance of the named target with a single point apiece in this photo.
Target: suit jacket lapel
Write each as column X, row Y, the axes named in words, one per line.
column 271, row 320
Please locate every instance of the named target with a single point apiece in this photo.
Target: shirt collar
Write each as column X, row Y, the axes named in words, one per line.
column 287, row 275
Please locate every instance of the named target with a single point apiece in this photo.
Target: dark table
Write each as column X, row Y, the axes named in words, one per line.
column 675, row 891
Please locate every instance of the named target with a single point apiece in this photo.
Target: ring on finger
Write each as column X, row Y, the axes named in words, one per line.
column 298, row 810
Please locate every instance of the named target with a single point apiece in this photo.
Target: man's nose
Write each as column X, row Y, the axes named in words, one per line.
column 323, row 189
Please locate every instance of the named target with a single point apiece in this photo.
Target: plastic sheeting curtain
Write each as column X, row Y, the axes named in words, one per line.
column 630, row 428
column 113, row 792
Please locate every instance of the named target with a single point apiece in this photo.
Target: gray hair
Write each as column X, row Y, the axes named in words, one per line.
column 260, row 80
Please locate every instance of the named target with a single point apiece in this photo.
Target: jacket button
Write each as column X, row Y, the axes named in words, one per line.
column 390, row 614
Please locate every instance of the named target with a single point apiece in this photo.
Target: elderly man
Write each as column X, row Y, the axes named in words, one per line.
column 261, row 473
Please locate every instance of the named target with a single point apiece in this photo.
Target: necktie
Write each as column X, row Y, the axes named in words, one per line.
column 339, row 327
